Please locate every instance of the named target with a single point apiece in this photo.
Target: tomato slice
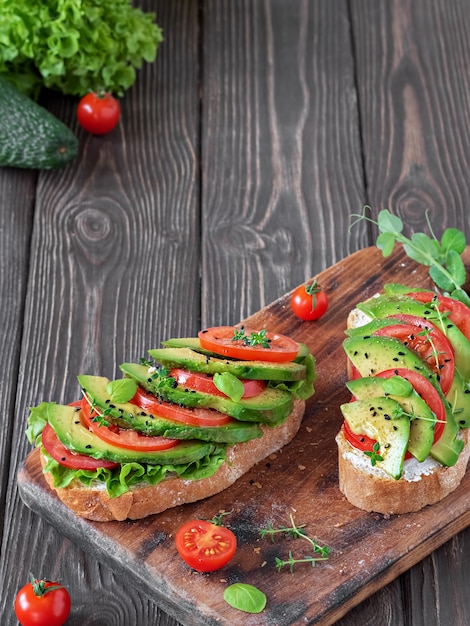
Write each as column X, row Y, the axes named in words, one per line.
column 56, row 449
column 424, row 388
column 204, row 546
column 457, row 311
column 192, row 416
column 274, row 348
column 428, row 341
column 205, row 383
column 123, row 437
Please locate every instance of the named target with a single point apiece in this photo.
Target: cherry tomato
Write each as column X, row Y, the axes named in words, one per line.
column 192, row 416
column 205, row 383
column 98, row 113
column 204, row 546
column 248, row 344
column 56, row 449
column 42, row 603
column 309, row 302
column 458, row 312
column 429, row 342
column 123, row 437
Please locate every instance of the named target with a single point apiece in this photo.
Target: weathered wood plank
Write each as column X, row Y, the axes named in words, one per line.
column 413, row 88
column 280, row 150
column 114, row 260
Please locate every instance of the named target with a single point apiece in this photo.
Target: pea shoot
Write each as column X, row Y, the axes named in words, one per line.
column 446, row 267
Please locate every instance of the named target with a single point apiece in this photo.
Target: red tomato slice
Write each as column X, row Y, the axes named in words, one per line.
column 429, row 342
column 123, row 437
column 205, row 383
column 69, row 459
column 424, row 388
column 220, row 340
column 193, row 417
column 457, row 311
column 204, row 546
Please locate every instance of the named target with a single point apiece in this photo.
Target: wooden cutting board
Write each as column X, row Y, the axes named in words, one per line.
column 368, row 550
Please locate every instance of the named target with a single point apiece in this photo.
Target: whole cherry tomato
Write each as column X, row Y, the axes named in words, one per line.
column 98, row 113
column 309, row 302
column 42, row 603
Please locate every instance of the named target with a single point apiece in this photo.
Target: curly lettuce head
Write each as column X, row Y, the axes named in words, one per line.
column 75, row 46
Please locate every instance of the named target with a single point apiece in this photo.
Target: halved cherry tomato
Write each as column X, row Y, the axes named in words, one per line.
column 250, row 344
column 457, row 311
column 309, row 302
column 204, row 546
column 424, row 388
column 194, row 417
column 123, row 437
column 56, row 449
column 42, row 603
column 205, row 383
column 429, row 342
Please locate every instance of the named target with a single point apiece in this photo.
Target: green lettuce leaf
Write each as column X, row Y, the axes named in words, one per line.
column 75, row 46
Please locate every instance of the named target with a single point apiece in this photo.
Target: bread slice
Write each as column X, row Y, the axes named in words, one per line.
column 371, row 489
column 140, row 501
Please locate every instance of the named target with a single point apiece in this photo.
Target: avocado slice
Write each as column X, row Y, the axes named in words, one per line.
column 196, row 361
column 374, row 417
column 128, row 415
column 448, row 447
column 65, row 420
column 272, row 406
column 387, row 304
column 371, row 355
column 459, row 399
column 423, row 420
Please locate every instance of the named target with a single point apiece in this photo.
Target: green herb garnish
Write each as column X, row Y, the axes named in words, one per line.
column 254, row 339
column 296, row 532
column 446, row 267
column 245, row 598
column 374, row 454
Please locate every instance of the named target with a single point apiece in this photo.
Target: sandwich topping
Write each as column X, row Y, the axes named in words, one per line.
column 176, row 414
column 410, row 383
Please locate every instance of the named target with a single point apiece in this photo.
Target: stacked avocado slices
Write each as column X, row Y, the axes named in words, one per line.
column 201, row 448
column 390, row 411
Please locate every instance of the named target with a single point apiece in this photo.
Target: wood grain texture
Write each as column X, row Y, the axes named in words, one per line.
column 413, row 87
column 280, row 146
column 368, row 550
column 111, row 233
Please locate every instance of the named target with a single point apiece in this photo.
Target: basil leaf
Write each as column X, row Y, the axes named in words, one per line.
column 245, row 598
column 122, row 390
column 230, row 385
column 398, row 386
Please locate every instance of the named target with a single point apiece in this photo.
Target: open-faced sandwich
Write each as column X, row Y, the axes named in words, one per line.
column 177, row 428
column 403, row 443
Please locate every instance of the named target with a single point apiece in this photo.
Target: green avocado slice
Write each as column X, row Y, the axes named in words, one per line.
column 66, row 423
column 127, row 415
column 188, row 358
column 272, row 406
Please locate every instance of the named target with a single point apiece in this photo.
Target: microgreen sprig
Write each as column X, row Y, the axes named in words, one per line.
column 296, row 532
column 374, row 454
column 254, row 339
column 446, row 267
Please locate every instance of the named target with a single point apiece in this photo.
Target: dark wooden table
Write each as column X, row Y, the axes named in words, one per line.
column 241, row 155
